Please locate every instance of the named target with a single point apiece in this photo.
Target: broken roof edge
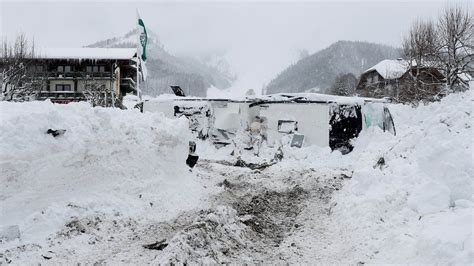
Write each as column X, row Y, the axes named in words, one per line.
column 86, row 53
column 275, row 98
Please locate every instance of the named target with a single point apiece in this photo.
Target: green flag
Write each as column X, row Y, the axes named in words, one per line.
column 142, row 38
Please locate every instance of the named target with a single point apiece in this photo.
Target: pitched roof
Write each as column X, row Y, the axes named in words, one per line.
column 86, row 53
column 390, row 69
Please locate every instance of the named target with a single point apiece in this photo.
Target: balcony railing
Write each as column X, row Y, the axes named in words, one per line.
column 61, row 95
column 81, row 75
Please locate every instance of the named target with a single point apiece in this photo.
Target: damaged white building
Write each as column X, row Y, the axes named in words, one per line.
column 298, row 120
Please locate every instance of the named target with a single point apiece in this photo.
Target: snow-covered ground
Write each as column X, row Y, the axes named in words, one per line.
column 415, row 208
column 119, row 164
column 116, row 181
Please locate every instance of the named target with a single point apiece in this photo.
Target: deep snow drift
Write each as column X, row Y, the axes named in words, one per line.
column 414, row 207
column 120, row 163
column 417, row 206
column 116, row 180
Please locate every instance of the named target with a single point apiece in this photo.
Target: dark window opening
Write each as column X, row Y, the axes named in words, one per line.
column 297, row 141
column 66, row 69
column 346, row 124
column 287, row 126
column 95, row 69
column 63, row 87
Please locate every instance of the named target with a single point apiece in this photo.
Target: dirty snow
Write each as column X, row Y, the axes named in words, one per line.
column 86, row 197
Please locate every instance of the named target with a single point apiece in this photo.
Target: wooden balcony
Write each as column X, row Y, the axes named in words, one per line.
column 61, row 95
column 73, row 75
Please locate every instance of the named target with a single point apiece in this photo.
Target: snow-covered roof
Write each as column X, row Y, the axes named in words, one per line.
column 317, row 97
column 86, row 53
column 280, row 97
column 390, row 69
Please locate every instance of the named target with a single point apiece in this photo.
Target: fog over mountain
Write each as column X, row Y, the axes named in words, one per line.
column 319, row 70
column 258, row 39
column 194, row 75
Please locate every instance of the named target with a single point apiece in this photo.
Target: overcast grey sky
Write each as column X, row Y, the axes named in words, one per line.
column 259, row 38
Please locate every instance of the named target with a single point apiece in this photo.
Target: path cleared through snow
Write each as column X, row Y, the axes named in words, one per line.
column 249, row 220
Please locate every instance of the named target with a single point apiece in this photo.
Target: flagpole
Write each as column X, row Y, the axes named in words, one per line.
column 138, row 60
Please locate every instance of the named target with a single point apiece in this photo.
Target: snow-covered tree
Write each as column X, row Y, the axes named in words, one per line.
column 456, row 38
column 446, row 46
column 21, row 81
column 420, row 45
column 344, row 85
column 420, row 48
column 97, row 93
column 302, row 54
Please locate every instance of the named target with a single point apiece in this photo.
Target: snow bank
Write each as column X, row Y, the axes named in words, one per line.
column 414, row 207
column 121, row 163
column 417, row 207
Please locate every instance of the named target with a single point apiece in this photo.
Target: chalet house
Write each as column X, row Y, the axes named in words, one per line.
column 391, row 78
column 77, row 74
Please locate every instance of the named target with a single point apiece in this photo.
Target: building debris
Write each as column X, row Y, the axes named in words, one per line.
column 56, row 132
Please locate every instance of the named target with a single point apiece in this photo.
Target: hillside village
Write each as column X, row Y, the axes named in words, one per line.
column 389, row 77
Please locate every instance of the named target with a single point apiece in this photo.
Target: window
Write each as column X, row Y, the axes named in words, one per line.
column 95, row 69
column 287, row 126
column 297, row 141
column 63, row 87
column 64, row 68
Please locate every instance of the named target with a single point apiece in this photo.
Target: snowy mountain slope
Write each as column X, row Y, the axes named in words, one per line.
column 164, row 69
column 315, row 206
column 320, row 69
